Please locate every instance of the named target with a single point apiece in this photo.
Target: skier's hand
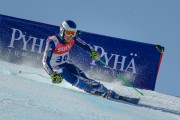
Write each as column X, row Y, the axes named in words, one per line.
column 56, row 78
column 95, row 55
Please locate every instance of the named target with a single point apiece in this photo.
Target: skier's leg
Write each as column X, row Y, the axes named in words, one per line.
column 75, row 70
column 97, row 86
column 73, row 79
column 76, row 77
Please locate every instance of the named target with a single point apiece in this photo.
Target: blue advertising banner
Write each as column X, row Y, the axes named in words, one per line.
column 23, row 41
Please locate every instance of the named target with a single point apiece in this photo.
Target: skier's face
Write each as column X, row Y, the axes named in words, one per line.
column 69, row 34
column 68, row 38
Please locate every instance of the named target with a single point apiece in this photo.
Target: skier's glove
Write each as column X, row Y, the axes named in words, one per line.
column 95, row 55
column 56, row 78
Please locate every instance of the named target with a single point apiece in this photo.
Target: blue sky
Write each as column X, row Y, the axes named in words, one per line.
column 149, row 21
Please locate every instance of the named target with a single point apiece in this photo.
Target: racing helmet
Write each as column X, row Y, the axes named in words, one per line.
column 68, row 27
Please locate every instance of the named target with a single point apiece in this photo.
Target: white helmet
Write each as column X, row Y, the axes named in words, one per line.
column 68, row 27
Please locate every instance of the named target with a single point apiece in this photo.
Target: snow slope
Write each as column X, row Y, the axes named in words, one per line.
column 34, row 97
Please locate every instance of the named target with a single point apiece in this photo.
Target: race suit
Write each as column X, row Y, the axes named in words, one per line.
column 55, row 59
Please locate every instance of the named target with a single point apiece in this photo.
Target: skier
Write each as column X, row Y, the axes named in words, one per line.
column 57, row 65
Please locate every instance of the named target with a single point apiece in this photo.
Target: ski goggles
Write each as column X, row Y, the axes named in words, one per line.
column 70, row 32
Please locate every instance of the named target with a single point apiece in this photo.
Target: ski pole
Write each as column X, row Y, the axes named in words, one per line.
column 35, row 73
column 118, row 76
column 121, row 78
column 27, row 72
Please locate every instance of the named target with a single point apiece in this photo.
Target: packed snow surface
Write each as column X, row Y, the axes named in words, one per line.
column 25, row 96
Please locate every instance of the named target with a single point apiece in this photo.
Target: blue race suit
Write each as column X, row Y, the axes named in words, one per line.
column 55, row 59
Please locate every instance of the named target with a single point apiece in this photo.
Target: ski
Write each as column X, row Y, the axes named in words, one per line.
column 117, row 98
column 128, row 99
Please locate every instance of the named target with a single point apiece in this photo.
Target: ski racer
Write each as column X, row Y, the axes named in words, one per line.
column 57, row 65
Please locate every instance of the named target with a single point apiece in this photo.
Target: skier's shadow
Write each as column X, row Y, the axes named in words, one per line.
column 160, row 108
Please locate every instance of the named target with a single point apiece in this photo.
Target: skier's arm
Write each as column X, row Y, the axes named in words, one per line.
column 50, row 46
column 88, row 48
column 80, row 43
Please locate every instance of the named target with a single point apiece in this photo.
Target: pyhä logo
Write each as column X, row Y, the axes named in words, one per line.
column 120, row 63
column 17, row 36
